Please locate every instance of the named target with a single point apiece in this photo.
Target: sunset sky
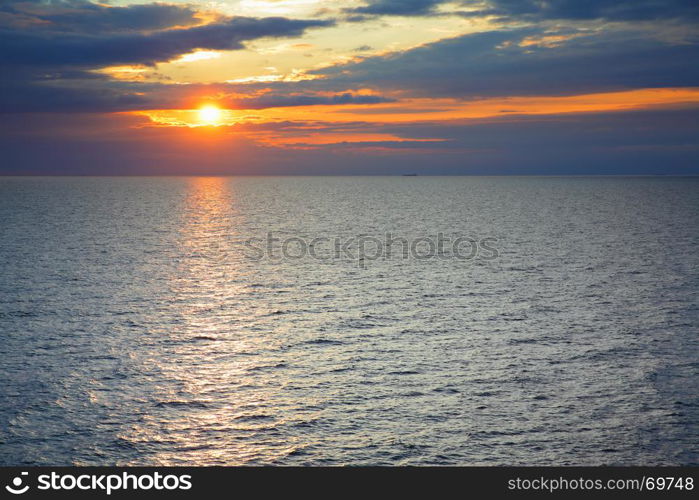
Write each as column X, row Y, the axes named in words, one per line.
column 349, row 87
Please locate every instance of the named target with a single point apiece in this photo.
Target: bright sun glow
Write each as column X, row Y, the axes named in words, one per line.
column 210, row 115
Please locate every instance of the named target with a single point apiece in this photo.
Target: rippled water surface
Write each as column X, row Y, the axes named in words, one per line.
column 137, row 328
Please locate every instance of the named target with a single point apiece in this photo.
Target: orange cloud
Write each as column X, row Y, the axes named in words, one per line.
column 320, row 118
column 420, row 110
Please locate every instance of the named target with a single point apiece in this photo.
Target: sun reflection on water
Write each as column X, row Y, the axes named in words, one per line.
column 212, row 400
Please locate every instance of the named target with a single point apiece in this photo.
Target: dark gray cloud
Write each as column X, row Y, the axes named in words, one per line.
column 636, row 129
column 32, row 48
column 82, row 16
column 398, row 7
column 637, row 142
column 68, row 96
column 102, row 95
column 507, row 63
column 286, row 100
column 615, row 10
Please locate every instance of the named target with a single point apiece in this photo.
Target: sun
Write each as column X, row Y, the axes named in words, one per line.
column 210, row 114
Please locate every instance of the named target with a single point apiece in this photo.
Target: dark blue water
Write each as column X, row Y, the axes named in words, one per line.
column 140, row 326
